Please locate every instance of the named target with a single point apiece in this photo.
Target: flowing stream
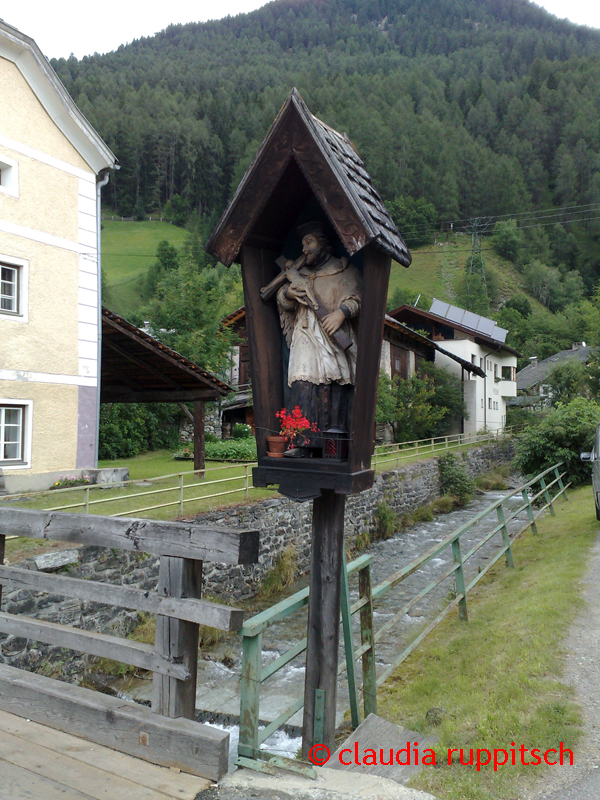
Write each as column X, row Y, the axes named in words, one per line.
column 218, row 693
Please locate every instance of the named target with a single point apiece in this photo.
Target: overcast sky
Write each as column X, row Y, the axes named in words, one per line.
column 71, row 26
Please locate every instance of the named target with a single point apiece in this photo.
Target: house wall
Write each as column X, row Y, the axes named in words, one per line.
column 49, row 352
column 480, row 392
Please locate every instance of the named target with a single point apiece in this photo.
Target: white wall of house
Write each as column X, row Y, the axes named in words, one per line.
column 485, row 397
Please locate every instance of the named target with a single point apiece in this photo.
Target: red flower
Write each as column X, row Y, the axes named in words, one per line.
column 294, row 424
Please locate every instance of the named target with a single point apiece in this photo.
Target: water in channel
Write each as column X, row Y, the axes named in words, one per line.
column 218, row 693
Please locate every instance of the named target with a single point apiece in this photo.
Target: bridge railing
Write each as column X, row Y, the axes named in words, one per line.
column 537, row 495
column 167, row 734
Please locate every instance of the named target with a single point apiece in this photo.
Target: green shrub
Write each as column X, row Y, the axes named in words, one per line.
column 210, row 437
column 385, row 522
column 495, row 479
column 282, row 575
column 454, row 479
column 562, row 435
column 127, row 429
column 231, row 450
column 422, row 514
column 443, row 505
column 241, row 431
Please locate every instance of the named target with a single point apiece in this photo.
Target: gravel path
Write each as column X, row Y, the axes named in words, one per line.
column 582, row 780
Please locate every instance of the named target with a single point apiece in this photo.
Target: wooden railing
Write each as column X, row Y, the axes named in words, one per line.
column 167, row 734
column 537, row 495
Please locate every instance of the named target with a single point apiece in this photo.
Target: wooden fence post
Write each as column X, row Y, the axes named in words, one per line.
column 349, row 646
column 2, row 546
column 250, row 695
column 367, row 637
column 460, row 580
column 560, row 482
column 530, row 513
column 177, row 577
column 547, row 496
column 505, row 537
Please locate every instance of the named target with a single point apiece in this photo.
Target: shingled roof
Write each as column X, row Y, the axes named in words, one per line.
column 539, row 371
column 331, row 167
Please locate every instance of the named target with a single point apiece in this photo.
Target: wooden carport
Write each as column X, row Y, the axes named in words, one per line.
column 137, row 368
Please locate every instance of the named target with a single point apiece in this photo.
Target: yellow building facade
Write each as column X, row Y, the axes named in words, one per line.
column 52, row 165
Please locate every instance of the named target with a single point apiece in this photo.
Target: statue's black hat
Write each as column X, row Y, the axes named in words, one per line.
column 314, row 227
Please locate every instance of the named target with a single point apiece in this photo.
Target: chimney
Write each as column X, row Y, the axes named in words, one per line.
column 577, row 345
column 533, row 361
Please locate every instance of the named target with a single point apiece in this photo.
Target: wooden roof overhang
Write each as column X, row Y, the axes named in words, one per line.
column 137, row 368
column 301, row 156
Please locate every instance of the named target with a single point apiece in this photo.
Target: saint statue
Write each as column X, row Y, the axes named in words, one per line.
column 318, row 304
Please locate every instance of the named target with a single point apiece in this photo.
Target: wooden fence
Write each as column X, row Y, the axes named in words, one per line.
column 537, row 495
column 167, row 734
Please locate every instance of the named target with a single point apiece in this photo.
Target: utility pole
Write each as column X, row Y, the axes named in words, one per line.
column 478, row 226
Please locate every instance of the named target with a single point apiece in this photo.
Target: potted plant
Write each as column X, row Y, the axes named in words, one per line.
column 292, row 432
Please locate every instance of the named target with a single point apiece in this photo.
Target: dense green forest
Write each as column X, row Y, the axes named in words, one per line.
column 459, row 108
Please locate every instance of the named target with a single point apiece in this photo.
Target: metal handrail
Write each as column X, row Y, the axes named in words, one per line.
column 254, row 674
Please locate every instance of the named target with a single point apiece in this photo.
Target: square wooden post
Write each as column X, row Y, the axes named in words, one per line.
column 324, row 605
column 199, row 438
column 177, row 577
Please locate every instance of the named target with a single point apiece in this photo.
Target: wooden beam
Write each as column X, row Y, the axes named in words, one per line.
column 185, row 411
column 157, row 349
column 177, row 640
column 115, row 395
column 2, row 546
column 200, row 611
column 123, row 726
column 199, row 437
column 161, row 538
column 139, row 362
column 96, row 644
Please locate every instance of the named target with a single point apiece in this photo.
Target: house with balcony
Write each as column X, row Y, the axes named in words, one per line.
column 464, row 338
column 52, row 167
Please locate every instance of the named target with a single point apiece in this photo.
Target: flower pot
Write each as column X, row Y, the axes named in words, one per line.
column 276, row 446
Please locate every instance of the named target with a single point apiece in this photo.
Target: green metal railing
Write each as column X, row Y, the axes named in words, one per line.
column 537, row 495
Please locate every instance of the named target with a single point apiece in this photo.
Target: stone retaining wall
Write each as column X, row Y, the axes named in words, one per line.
column 281, row 522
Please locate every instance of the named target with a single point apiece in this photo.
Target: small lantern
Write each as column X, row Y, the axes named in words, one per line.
column 307, row 180
column 335, row 444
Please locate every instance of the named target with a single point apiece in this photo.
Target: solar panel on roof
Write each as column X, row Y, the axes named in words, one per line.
column 499, row 334
column 439, row 308
column 470, row 320
column 455, row 314
column 485, row 326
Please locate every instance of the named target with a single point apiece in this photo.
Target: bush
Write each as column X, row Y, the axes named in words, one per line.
column 454, row 479
column 443, row 505
column 422, row 514
column 562, row 435
column 241, row 431
column 127, row 429
column 282, row 575
column 385, row 522
column 231, row 450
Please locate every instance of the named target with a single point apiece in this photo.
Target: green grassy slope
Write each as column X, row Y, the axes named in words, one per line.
column 128, row 249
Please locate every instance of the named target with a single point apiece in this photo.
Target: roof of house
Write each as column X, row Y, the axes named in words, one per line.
column 137, row 368
column 413, row 315
column 533, row 374
column 46, row 85
column 301, row 150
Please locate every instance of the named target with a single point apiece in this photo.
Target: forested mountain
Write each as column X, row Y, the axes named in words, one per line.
column 478, row 106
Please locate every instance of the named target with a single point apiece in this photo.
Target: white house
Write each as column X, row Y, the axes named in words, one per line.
column 478, row 341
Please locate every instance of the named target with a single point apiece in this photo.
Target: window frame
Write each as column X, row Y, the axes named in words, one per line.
column 22, row 270
column 26, row 406
column 9, row 184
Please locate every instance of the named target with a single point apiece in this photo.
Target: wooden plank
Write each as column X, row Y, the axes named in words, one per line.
column 324, row 602
column 159, row 779
column 73, row 774
column 119, row 395
column 204, row 612
column 177, row 640
column 264, row 342
column 203, row 542
column 2, row 548
column 124, row 726
column 199, row 423
column 17, row 783
column 378, row 734
column 96, row 644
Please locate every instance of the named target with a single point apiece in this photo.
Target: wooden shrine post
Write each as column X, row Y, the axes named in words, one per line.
column 307, row 197
column 199, row 435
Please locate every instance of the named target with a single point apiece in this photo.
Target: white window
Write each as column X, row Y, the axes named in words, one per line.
column 11, row 433
column 9, row 176
column 490, row 403
column 482, row 402
column 13, row 288
column 15, row 433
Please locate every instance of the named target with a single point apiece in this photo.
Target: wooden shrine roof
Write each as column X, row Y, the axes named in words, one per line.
column 302, row 152
column 137, row 368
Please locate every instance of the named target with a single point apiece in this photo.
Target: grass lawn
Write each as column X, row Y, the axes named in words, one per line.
column 498, row 676
column 128, row 249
